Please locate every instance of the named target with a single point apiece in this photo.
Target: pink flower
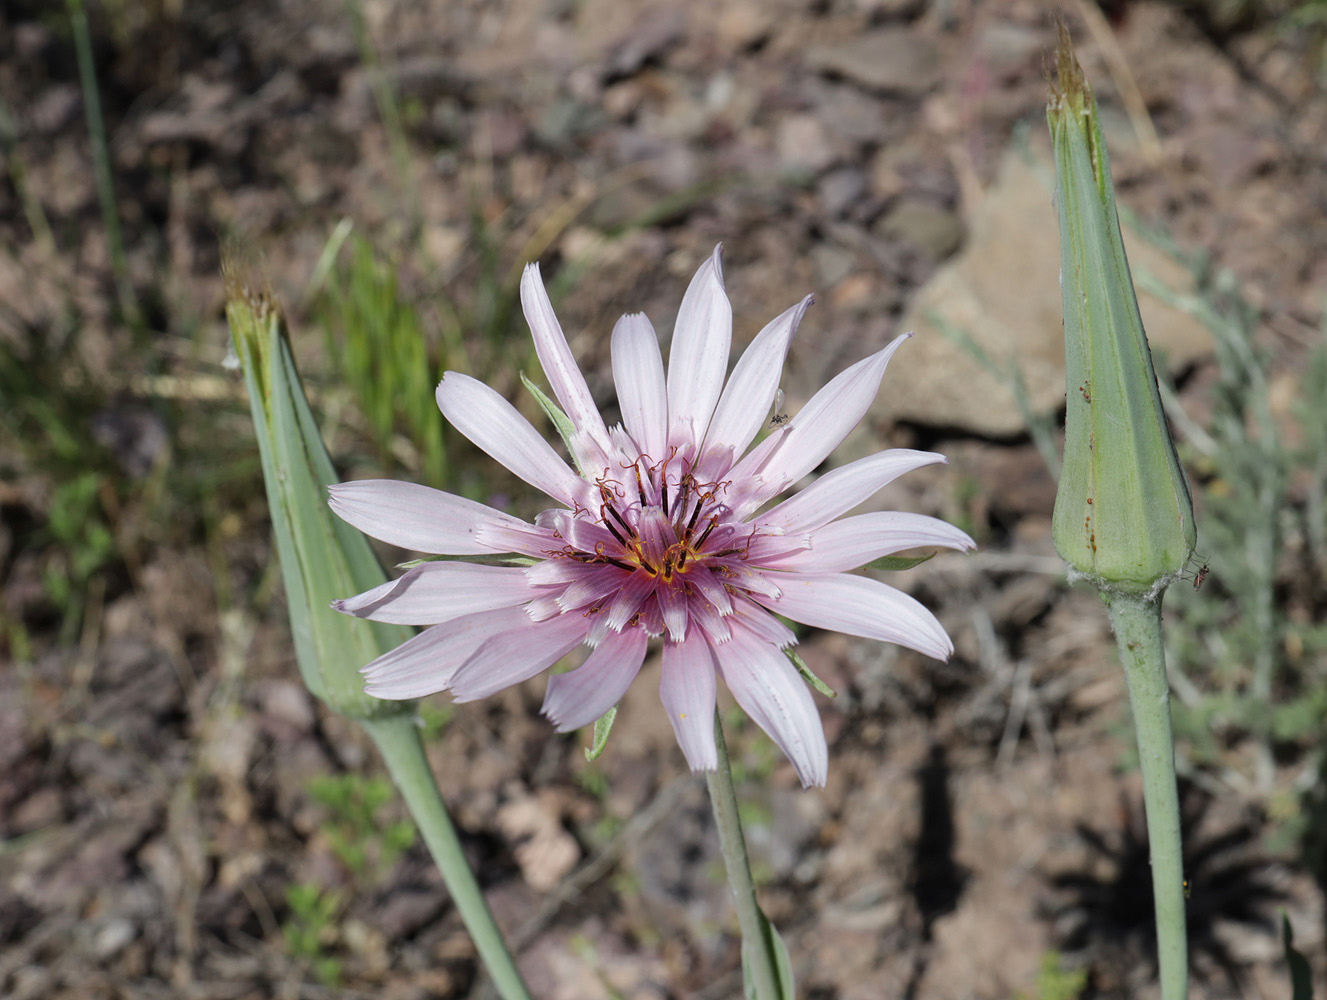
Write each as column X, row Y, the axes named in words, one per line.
column 662, row 533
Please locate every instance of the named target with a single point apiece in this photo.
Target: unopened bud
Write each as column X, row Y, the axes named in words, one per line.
column 321, row 556
column 1123, row 513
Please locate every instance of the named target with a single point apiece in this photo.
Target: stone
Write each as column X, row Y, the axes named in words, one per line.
column 1003, row 291
column 924, row 225
column 803, row 145
column 889, row 60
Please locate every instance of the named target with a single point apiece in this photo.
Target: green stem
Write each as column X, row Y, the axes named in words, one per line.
column 758, row 948
column 1137, row 622
column 101, row 164
column 398, row 740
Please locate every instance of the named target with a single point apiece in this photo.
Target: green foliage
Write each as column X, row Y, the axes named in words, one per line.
column 753, row 756
column 377, row 343
column 1249, row 662
column 364, row 842
column 359, row 837
column 603, row 727
column 433, row 719
column 78, row 525
column 1054, row 982
column 1301, row 975
column 311, row 928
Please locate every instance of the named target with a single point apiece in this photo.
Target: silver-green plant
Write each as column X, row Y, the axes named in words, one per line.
column 321, row 558
column 1123, row 513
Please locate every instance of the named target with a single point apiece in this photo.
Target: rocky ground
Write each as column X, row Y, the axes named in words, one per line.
column 158, row 755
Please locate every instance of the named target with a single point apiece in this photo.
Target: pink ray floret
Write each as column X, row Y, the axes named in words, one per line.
column 666, row 532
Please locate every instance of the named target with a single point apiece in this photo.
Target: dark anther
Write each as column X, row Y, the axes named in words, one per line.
column 695, row 516
column 682, row 493
column 618, row 518
column 640, row 487
column 706, row 533
column 613, row 531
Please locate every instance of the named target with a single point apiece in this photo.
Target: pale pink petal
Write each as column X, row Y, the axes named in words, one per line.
column 687, row 687
column 674, row 604
column 428, row 662
column 418, row 518
column 760, row 623
column 821, row 425
column 440, row 591
column 516, row 655
column 842, row 489
column 857, row 605
column 521, row 538
column 607, row 581
column 580, row 696
column 712, row 591
column 628, row 600
column 750, row 391
column 548, row 572
column 856, row 541
column 704, row 616
column 638, row 373
column 493, row 424
column 564, row 375
column 698, row 357
column 770, row 690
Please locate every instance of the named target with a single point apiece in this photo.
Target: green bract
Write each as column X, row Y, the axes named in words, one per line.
column 1123, row 514
column 321, row 556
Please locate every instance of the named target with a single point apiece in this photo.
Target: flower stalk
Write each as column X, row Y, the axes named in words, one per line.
column 765, row 964
column 1137, row 623
column 399, row 742
column 1123, row 513
column 321, row 557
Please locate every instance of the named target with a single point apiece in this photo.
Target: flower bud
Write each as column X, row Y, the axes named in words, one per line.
column 321, row 556
column 1123, row 513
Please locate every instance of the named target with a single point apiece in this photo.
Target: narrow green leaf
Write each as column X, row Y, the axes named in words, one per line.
column 1301, row 976
column 782, row 962
column 560, row 420
column 807, row 675
column 897, row 564
column 602, row 727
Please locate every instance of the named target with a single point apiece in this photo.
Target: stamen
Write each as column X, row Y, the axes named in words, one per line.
column 618, row 518
column 663, row 496
column 613, row 531
column 619, row 564
column 714, row 522
column 682, row 493
column 640, row 487
column 695, row 516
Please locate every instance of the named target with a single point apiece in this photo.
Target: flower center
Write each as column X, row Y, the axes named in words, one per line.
column 660, row 524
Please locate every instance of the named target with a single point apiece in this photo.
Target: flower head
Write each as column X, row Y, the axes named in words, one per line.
column 660, row 532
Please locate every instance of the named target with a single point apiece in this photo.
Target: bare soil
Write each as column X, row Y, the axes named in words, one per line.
column 156, row 745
